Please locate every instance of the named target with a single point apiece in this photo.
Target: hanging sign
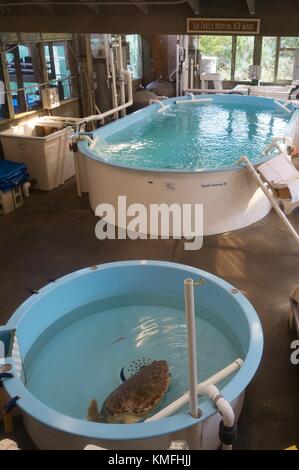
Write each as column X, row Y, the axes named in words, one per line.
column 223, row 26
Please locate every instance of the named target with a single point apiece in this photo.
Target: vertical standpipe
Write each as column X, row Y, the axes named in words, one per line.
column 191, row 338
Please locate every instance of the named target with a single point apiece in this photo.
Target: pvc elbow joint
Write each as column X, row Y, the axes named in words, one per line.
column 222, row 405
column 227, row 426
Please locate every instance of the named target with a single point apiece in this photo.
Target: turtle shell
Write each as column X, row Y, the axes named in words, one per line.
column 133, row 400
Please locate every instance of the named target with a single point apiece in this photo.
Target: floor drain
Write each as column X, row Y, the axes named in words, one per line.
column 132, row 367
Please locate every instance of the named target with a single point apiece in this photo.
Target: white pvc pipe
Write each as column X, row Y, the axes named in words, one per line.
column 106, row 48
column 191, row 337
column 25, row 188
column 186, row 63
column 171, row 75
column 206, row 90
column 163, row 109
column 99, row 117
column 282, row 106
column 89, row 139
column 271, row 198
column 99, row 112
column 177, row 84
column 285, row 140
column 77, row 171
column 185, row 398
column 163, row 106
column 194, row 100
column 275, row 144
column 113, row 79
column 121, row 71
column 59, row 118
column 191, row 72
column 76, row 161
column 223, row 406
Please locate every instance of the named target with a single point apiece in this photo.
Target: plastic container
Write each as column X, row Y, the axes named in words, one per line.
column 43, row 145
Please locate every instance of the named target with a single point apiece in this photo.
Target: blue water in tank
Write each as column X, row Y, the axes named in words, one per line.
column 207, row 135
column 82, row 355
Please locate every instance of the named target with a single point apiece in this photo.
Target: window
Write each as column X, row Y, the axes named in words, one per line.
column 278, row 56
column 58, row 67
column 220, row 49
column 135, row 55
column 285, row 65
column 268, row 59
column 287, row 50
column 244, row 57
column 23, row 79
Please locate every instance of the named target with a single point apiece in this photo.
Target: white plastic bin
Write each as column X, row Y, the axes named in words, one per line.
column 43, row 145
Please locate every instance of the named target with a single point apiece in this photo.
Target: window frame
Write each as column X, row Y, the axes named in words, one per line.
column 257, row 58
column 19, row 79
column 39, row 73
column 232, row 49
column 52, row 73
column 235, row 55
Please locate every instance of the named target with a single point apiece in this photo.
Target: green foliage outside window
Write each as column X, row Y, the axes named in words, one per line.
column 277, row 59
column 220, row 47
column 244, row 57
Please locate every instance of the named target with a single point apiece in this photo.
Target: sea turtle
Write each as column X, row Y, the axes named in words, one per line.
column 133, row 400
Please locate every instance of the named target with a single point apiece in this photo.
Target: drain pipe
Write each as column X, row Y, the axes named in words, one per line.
column 227, row 426
column 270, row 197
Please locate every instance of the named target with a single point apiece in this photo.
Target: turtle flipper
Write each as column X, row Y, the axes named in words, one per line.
column 93, row 413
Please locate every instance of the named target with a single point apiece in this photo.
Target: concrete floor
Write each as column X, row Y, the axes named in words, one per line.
column 53, row 234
